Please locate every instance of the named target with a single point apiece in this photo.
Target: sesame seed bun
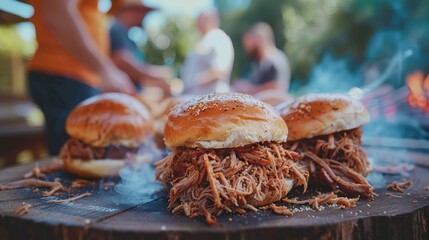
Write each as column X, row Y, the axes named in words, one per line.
column 110, row 118
column 161, row 117
column 319, row 114
column 96, row 168
column 223, row 120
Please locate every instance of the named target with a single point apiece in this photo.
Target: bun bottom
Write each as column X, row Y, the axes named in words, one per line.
column 272, row 196
column 97, row 168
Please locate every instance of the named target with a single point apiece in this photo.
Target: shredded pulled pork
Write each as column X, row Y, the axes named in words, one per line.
column 40, row 172
column 208, row 182
column 79, row 183
column 337, row 160
column 72, row 199
column 22, row 210
column 399, row 186
column 54, row 186
column 393, row 195
column 325, row 199
column 282, row 210
column 75, row 149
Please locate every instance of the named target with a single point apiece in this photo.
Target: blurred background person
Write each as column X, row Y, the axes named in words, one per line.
column 71, row 62
column 207, row 68
column 125, row 53
column 270, row 67
column 381, row 42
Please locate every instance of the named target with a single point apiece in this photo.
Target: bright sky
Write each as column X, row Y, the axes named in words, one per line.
column 174, row 8
column 154, row 20
column 17, row 8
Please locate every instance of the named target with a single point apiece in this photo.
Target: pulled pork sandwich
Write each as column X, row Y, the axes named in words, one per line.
column 326, row 129
column 164, row 108
column 228, row 155
column 104, row 130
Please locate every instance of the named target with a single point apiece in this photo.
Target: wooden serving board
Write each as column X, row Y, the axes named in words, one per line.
column 107, row 215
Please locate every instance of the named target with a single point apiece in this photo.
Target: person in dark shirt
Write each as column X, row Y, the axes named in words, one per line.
column 270, row 68
column 119, row 39
column 130, row 13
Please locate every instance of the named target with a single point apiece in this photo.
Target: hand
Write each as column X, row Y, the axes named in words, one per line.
column 161, row 83
column 159, row 72
column 114, row 80
column 157, row 76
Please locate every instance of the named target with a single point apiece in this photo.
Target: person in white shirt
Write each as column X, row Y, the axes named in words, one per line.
column 207, row 68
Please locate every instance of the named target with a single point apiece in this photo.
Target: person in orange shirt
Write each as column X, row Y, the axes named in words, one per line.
column 71, row 62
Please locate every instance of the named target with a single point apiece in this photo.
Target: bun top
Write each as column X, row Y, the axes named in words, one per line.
column 223, row 120
column 110, row 118
column 164, row 110
column 319, row 114
column 165, row 106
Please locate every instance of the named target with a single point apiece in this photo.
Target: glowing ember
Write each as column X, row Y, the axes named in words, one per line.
column 419, row 90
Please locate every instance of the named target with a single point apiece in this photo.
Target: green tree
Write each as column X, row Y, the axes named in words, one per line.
column 170, row 44
column 355, row 30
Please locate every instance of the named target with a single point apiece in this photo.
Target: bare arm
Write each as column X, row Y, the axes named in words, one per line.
column 146, row 74
column 125, row 61
column 64, row 20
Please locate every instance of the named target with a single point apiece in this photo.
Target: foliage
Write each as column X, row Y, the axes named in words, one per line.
column 11, row 43
column 350, row 33
column 170, row 44
column 357, row 31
